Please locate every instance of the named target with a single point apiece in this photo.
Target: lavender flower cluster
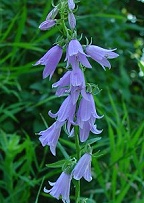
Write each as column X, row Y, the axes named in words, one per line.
column 78, row 109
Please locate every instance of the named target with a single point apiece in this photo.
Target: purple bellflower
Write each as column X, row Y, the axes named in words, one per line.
column 63, row 85
column 72, row 20
column 83, row 168
column 71, row 4
column 86, row 116
column 75, row 53
column 77, row 78
column 87, row 127
column 50, row 136
column 72, row 82
column 66, row 111
column 50, row 60
column 61, row 187
column 101, row 55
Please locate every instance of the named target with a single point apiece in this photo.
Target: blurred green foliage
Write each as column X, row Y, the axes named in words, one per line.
column 26, row 99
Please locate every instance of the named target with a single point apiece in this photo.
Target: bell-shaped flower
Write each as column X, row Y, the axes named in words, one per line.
column 86, row 109
column 63, row 85
column 75, row 53
column 50, row 60
column 101, row 55
column 86, row 116
column 71, row 20
column 72, row 82
column 83, row 168
column 88, row 126
column 71, row 4
column 66, row 111
column 51, row 135
column 61, row 188
column 77, row 78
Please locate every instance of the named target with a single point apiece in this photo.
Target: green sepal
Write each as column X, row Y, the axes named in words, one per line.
column 92, row 141
column 96, row 154
column 57, row 164
column 141, row 65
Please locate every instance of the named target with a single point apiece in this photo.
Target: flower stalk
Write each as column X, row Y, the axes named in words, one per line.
column 78, row 111
column 78, row 154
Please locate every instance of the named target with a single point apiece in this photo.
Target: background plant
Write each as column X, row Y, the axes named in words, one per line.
column 119, row 172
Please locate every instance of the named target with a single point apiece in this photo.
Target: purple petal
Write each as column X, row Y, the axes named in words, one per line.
column 52, row 115
column 87, row 175
column 104, row 62
column 84, row 61
column 63, row 85
column 83, row 168
column 75, row 92
column 77, row 78
column 46, row 25
column 100, row 55
column 50, row 60
column 108, row 53
column 74, row 48
column 64, row 81
column 84, row 110
column 71, row 4
column 84, row 131
column 61, row 187
column 95, row 130
column 93, row 108
column 84, row 94
column 71, row 20
column 66, row 111
column 50, row 136
column 52, row 14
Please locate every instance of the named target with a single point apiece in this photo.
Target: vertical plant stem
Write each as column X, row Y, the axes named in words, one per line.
column 78, row 153
column 62, row 17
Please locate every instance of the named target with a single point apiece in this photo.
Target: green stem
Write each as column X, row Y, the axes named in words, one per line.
column 78, row 153
column 62, row 17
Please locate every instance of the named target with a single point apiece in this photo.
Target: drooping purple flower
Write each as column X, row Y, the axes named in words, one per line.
column 83, row 168
column 47, row 24
column 72, row 20
column 72, row 82
column 71, row 4
column 50, row 60
column 101, row 55
column 61, row 187
column 63, row 85
column 86, row 116
column 87, row 108
column 88, row 126
column 75, row 53
column 66, row 111
column 50, row 136
column 77, row 78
